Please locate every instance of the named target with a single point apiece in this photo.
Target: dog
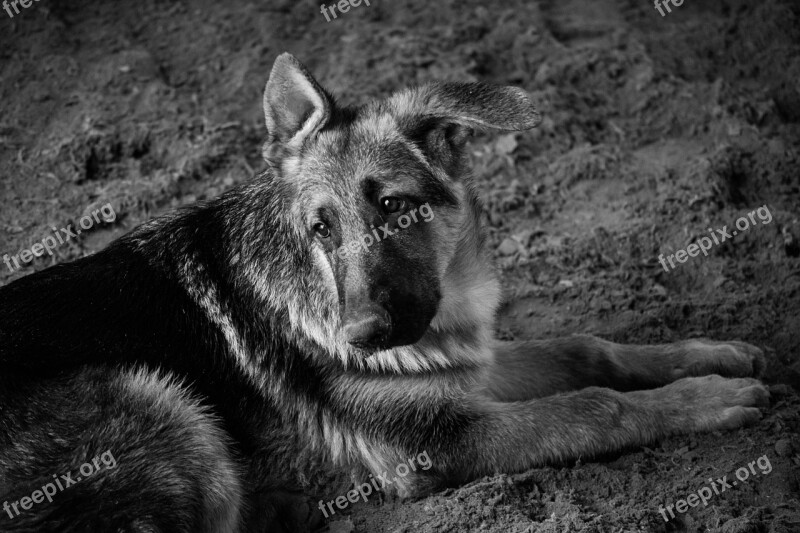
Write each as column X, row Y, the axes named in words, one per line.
column 233, row 361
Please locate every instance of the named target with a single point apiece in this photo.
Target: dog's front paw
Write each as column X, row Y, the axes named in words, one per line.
column 731, row 359
column 710, row 403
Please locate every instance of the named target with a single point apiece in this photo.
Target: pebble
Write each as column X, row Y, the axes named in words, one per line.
column 507, row 247
column 784, row 447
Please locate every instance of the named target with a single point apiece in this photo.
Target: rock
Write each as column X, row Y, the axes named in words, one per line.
column 658, row 290
column 506, row 144
column 508, row 247
column 784, row 447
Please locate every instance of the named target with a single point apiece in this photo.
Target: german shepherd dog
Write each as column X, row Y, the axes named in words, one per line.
column 232, row 359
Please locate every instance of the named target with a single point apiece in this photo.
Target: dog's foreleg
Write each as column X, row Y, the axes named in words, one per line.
column 513, row 436
column 534, row 369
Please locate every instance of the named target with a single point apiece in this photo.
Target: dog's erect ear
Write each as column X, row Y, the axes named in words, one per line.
column 295, row 107
column 439, row 117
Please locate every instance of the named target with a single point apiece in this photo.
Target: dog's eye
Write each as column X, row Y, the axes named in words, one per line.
column 322, row 229
column 392, row 204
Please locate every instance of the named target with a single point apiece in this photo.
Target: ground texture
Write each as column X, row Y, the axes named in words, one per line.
column 656, row 129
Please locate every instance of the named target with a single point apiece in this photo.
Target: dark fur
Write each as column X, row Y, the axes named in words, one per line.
column 232, row 362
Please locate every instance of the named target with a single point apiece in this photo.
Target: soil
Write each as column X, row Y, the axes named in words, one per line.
column 656, row 129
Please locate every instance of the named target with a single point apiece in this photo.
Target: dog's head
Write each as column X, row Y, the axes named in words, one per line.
column 380, row 195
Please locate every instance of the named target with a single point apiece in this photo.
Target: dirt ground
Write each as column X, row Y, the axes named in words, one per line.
column 656, row 129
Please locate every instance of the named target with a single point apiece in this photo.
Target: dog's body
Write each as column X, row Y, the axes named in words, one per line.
column 231, row 359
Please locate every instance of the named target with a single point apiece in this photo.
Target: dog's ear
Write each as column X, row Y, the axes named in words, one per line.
column 477, row 105
column 440, row 117
column 296, row 107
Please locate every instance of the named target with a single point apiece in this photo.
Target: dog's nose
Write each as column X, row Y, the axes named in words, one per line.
column 369, row 328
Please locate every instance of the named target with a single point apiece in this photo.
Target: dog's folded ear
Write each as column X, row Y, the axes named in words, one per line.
column 479, row 105
column 296, row 107
column 440, row 117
